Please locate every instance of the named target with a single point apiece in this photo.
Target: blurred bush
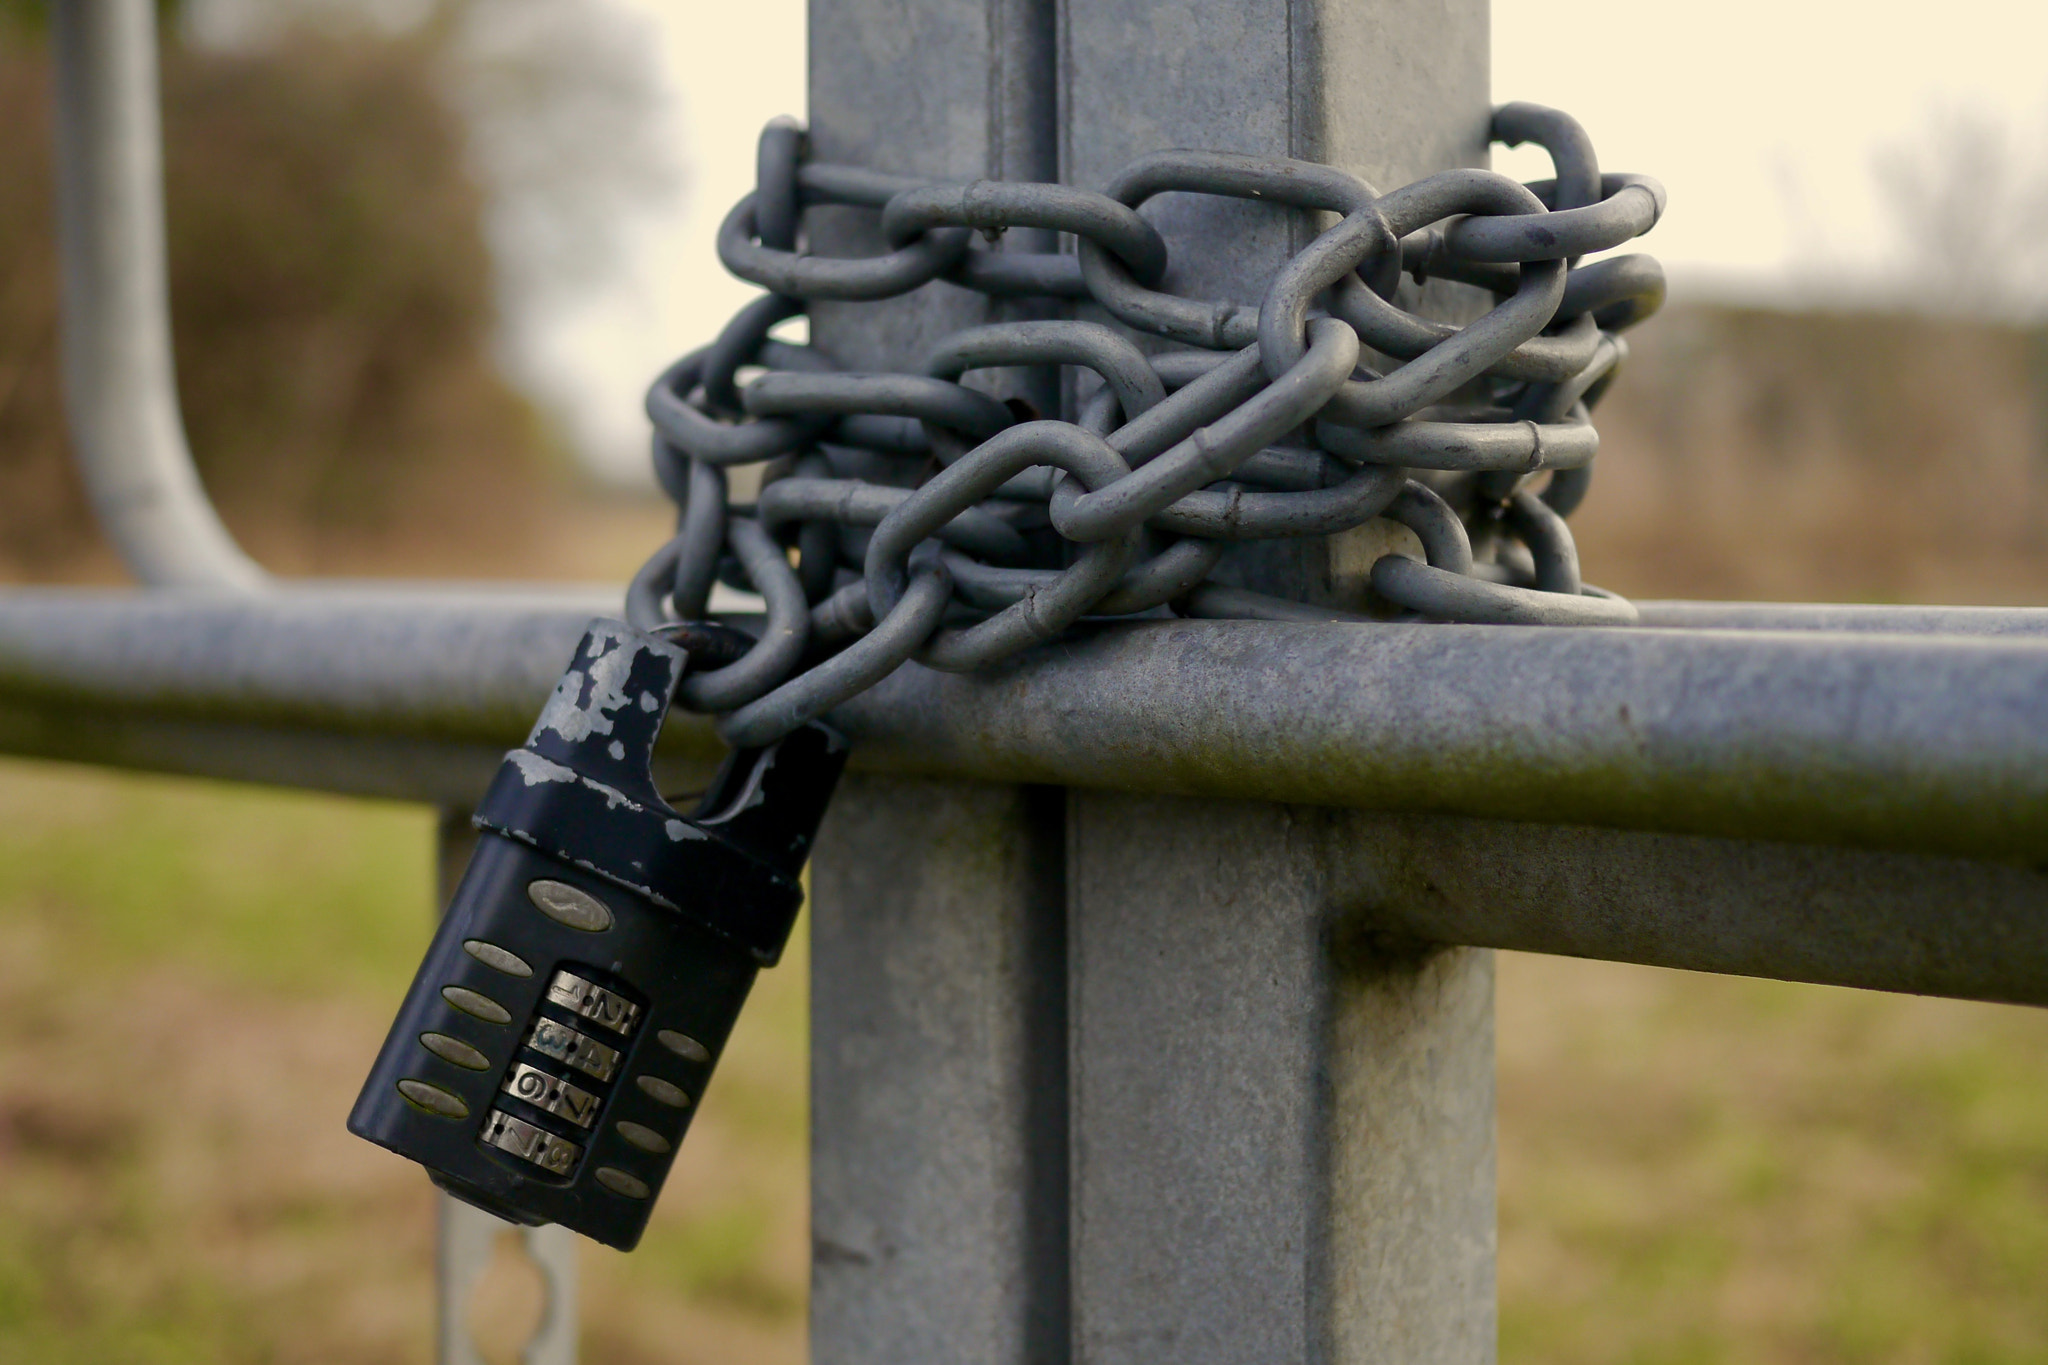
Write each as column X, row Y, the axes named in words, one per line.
column 1860, row 456
column 332, row 300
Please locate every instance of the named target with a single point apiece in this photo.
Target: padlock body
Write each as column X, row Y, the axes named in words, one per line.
column 560, row 1033
column 555, row 1044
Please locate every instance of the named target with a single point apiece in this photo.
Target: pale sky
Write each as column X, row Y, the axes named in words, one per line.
column 1761, row 117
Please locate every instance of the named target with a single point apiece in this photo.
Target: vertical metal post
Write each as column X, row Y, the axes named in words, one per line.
column 1280, row 1137
column 120, row 396
column 938, row 1182
column 937, row 1006
column 1283, row 1140
column 467, row 1238
column 1283, row 1136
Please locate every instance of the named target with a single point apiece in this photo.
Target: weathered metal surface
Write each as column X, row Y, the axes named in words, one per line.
column 348, row 764
column 937, row 1117
column 1283, row 1141
column 938, row 1121
column 1988, row 622
column 1913, row 742
column 364, row 690
column 447, row 662
column 1878, row 919
column 1925, row 742
column 119, row 392
column 1283, row 1145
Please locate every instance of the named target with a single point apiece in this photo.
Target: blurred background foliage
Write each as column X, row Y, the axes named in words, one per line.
column 350, row 211
column 365, row 213
column 332, row 303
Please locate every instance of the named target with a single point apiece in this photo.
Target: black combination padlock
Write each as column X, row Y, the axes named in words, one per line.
column 561, row 1030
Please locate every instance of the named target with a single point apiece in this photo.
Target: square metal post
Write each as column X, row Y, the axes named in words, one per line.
column 1282, row 1130
column 1281, row 1139
column 1282, row 1134
column 938, row 1191
column 938, row 1182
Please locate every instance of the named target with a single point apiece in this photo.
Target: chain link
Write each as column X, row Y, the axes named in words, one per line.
column 931, row 521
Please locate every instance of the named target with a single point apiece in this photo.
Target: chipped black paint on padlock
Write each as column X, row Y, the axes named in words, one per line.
column 559, row 1035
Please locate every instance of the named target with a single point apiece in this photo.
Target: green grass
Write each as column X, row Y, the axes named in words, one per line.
column 1700, row 1169
column 193, row 977
column 1694, row 1170
column 271, row 890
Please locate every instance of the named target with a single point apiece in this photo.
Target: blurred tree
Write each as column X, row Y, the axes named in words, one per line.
column 563, row 105
column 42, row 507
column 1968, row 197
column 334, row 295
column 333, row 298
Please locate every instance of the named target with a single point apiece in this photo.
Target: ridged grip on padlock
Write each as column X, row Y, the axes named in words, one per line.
column 689, row 983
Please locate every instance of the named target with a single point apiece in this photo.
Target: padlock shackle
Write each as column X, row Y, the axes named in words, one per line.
column 582, row 790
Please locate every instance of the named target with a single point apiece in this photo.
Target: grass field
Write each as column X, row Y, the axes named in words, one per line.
column 192, row 978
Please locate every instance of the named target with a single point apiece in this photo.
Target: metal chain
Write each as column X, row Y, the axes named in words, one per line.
column 931, row 521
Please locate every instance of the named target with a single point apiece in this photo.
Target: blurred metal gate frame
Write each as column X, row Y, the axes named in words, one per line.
column 1152, row 1006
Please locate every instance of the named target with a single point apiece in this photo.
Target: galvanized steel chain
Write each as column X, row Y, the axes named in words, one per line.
column 930, row 521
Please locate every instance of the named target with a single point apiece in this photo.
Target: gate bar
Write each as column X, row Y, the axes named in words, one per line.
column 1918, row 742
column 120, row 398
column 1875, row 918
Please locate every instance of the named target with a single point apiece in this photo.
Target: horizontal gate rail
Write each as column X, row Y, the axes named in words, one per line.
column 1934, row 743
column 2013, row 623
column 1871, row 918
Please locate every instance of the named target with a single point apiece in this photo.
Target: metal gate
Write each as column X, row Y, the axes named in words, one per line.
column 1153, row 1001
